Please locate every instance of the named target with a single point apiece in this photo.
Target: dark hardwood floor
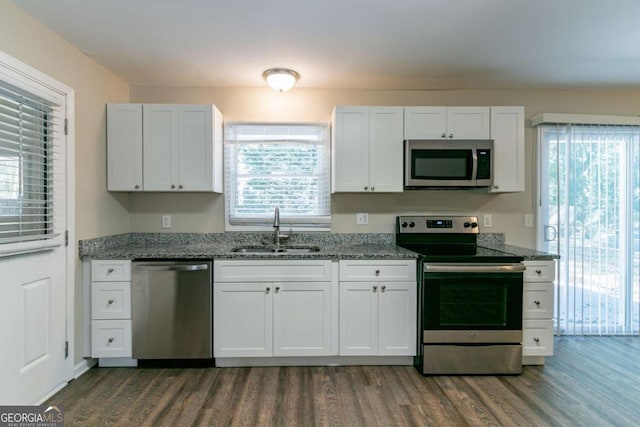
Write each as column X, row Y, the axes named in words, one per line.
column 591, row 381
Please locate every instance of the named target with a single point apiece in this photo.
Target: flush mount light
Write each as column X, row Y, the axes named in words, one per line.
column 280, row 79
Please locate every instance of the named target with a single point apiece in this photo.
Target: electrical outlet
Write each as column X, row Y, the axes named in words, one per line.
column 362, row 218
column 488, row 221
column 166, row 221
column 528, row 220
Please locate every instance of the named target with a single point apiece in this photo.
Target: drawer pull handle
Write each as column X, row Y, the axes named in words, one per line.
column 377, row 272
column 110, row 302
column 111, row 270
column 277, row 289
column 268, row 289
column 375, row 288
column 110, row 340
column 537, row 303
column 382, row 288
column 536, row 340
column 538, row 271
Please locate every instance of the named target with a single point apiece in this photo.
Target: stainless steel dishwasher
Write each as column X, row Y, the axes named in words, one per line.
column 171, row 310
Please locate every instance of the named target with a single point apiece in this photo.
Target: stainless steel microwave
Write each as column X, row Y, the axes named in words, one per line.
column 435, row 163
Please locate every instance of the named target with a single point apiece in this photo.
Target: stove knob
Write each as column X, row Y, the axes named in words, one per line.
column 467, row 224
column 412, row 224
column 474, row 224
column 404, row 225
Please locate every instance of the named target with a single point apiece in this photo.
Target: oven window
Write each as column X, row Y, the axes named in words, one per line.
column 463, row 305
column 472, row 301
column 441, row 164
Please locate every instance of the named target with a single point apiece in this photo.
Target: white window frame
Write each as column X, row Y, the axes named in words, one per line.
column 295, row 224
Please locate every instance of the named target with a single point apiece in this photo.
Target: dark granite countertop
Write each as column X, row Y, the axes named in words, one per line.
column 333, row 246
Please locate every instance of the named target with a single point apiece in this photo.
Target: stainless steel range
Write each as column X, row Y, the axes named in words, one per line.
column 470, row 298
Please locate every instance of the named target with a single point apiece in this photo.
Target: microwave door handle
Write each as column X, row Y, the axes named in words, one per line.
column 474, row 168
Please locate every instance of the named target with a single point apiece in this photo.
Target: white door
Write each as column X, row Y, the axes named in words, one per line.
column 350, row 146
column 124, row 147
column 160, row 136
column 302, row 319
column 195, row 159
column 243, row 319
column 397, row 319
column 358, row 318
column 468, row 122
column 385, row 149
column 34, row 267
column 425, row 122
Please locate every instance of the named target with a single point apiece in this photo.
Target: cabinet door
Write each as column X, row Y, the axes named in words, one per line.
column 302, row 319
column 350, row 149
column 385, row 149
column 160, row 138
column 507, row 132
column 358, row 318
column 124, row 147
column 243, row 316
column 468, row 122
column 425, row 122
column 195, row 147
column 397, row 319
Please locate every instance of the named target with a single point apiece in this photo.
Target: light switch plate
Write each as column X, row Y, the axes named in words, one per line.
column 488, row 221
column 362, row 218
column 166, row 221
column 528, row 220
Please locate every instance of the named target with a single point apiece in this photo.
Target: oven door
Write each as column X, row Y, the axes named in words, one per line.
column 472, row 303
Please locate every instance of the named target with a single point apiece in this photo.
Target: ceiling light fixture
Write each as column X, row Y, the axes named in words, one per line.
column 280, row 79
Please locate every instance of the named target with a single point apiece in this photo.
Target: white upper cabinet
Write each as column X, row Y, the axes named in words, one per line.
column 367, row 149
column 507, row 132
column 180, row 148
column 124, row 147
column 447, row 122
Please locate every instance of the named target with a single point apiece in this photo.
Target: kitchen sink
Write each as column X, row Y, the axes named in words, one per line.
column 285, row 250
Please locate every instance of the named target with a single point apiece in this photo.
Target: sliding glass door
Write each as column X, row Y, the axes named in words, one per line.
column 589, row 213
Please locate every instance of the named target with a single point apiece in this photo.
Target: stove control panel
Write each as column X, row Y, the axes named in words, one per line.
column 438, row 224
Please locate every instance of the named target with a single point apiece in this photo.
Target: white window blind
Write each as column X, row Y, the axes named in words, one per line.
column 29, row 131
column 284, row 165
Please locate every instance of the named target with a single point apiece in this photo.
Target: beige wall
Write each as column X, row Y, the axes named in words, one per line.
column 97, row 212
column 205, row 212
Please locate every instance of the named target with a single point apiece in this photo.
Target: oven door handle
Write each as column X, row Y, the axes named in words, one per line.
column 476, row 268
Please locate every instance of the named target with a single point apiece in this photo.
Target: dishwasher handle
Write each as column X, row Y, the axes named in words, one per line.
column 172, row 267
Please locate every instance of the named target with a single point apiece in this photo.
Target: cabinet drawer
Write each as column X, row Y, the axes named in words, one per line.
column 111, row 338
column 111, row 300
column 110, row 270
column 539, row 271
column 272, row 271
column 537, row 338
column 355, row 271
column 537, row 301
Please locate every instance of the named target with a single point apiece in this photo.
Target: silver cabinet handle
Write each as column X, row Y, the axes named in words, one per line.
column 136, row 186
column 450, row 135
column 267, row 289
column 110, row 340
column 111, row 270
column 366, row 188
column 537, row 303
column 110, row 302
column 377, row 272
column 180, row 186
column 536, row 339
column 383, row 287
column 375, row 288
column 170, row 267
column 277, row 289
column 444, row 135
column 538, row 271
column 373, row 188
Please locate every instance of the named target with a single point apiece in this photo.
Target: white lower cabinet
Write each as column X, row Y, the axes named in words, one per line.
column 537, row 312
column 272, row 308
column 378, row 316
column 110, row 302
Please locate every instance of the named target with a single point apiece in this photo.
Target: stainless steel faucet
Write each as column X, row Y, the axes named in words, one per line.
column 277, row 236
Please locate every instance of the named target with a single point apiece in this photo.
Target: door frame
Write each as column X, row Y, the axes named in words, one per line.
column 27, row 73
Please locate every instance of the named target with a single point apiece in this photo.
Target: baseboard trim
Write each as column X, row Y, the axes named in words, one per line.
column 229, row 362
column 83, row 366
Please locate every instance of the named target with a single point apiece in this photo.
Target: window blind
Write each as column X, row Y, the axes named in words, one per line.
column 29, row 134
column 284, row 165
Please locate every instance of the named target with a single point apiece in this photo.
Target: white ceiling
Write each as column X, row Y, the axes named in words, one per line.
column 358, row 44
